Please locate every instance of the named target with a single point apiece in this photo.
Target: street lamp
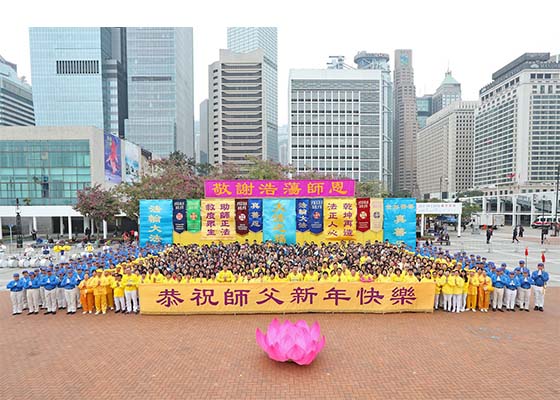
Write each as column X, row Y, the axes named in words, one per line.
column 19, row 236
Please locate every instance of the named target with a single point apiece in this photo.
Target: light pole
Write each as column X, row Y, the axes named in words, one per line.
column 19, row 236
column 556, row 224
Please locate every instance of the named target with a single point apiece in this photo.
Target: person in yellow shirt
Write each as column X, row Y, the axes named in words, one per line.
column 295, row 276
column 324, row 277
column 200, row 278
column 397, row 276
column 310, row 276
column 447, row 290
column 157, row 277
column 98, row 285
column 354, row 276
column 109, row 290
column 86, row 295
column 484, row 290
column 440, row 281
column 410, row 277
column 339, row 276
column 225, row 275
column 457, row 291
column 118, row 293
column 472, row 291
column 130, row 283
column 384, row 277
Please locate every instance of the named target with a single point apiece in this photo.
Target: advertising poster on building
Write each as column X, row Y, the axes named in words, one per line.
column 112, row 158
column 132, row 162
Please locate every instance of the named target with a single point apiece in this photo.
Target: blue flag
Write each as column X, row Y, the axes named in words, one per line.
column 255, row 215
column 279, row 222
column 302, row 215
column 316, row 216
column 399, row 221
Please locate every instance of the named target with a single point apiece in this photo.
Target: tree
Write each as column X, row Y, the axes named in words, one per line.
column 373, row 188
column 266, row 169
column 469, row 209
column 98, row 203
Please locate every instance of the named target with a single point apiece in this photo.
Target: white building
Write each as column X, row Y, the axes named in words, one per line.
column 445, row 151
column 16, row 100
column 236, row 109
column 337, row 125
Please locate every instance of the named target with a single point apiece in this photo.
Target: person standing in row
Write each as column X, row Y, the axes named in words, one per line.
column 50, row 283
column 130, row 283
column 540, row 278
column 33, row 287
column 15, row 286
column 524, row 289
column 499, row 284
column 472, row 291
column 457, row 291
column 70, row 284
column 484, row 290
column 511, row 291
column 98, row 283
column 86, row 295
column 118, row 292
column 447, row 290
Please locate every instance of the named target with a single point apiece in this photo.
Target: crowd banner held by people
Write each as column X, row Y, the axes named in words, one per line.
column 399, row 221
column 179, row 219
column 279, row 223
column 289, row 297
column 156, row 221
column 279, row 189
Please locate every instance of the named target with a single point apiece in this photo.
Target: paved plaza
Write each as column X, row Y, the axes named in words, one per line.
column 367, row 356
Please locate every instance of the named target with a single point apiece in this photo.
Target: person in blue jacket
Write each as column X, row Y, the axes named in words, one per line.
column 32, row 287
column 540, row 278
column 525, row 283
column 15, row 286
column 511, row 291
column 70, row 285
column 499, row 281
column 50, row 283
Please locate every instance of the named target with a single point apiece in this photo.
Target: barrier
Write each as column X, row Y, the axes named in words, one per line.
column 286, row 297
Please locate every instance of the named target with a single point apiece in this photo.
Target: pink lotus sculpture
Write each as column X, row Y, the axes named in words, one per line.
column 292, row 342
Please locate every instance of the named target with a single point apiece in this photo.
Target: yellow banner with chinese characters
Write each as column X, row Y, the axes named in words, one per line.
column 286, row 297
column 376, row 206
column 339, row 217
column 217, row 219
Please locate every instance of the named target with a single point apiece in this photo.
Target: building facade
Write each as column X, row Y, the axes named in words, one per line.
column 337, row 123
column 16, row 100
column 445, row 152
column 160, row 89
column 204, row 133
column 405, row 124
column 423, row 109
column 236, row 108
column 248, row 39
column 76, row 74
column 448, row 92
column 517, row 126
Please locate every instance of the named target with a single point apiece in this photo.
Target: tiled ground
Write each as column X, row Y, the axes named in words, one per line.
column 407, row 356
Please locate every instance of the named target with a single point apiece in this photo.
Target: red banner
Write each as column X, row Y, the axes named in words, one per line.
column 363, row 215
column 242, row 217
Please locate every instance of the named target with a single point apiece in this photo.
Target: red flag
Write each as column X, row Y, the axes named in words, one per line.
column 543, row 258
column 363, row 215
column 526, row 251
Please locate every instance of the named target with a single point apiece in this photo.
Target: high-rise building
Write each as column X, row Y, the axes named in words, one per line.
column 405, row 124
column 423, row 109
column 160, row 89
column 283, row 144
column 77, row 75
column 237, row 121
column 248, row 39
column 517, row 126
column 337, row 122
column 16, row 101
column 448, row 92
column 445, row 151
column 204, row 133
column 380, row 62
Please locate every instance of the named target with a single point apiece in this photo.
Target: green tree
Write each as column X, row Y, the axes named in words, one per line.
column 373, row 188
column 98, row 203
column 266, row 169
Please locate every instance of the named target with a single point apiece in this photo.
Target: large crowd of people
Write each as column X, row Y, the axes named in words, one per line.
column 109, row 279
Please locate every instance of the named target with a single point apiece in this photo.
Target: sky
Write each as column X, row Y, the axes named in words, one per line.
column 473, row 39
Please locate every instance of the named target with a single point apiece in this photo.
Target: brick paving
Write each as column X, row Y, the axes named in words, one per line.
column 367, row 356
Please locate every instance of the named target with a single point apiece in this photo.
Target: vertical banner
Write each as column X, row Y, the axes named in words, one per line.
column 131, row 162
column 377, row 215
column 156, row 221
column 316, row 213
column 279, row 222
column 193, row 215
column 363, row 214
column 255, row 215
column 112, row 158
column 179, row 220
column 340, row 218
column 399, row 221
column 242, row 217
column 302, row 215
column 218, row 219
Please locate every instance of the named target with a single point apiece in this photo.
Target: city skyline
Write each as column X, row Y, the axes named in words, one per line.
column 471, row 63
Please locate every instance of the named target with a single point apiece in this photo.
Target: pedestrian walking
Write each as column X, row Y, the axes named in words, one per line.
column 514, row 237
column 489, row 234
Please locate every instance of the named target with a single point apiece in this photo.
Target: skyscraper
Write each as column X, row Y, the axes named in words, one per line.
column 423, row 109
column 236, row 122
column 204, row 133
column 247, row 39
column 160, row 89
column 405, row 124
column 71, row 70
column 448, row 92
column 517, row 126
column 16, row 101
column 337, row 122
